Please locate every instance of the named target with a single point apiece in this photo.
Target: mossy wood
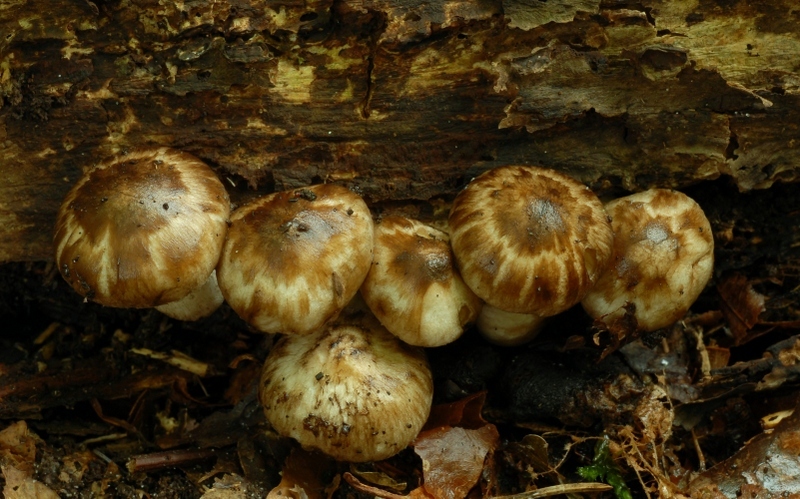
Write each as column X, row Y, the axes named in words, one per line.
column 399, row 99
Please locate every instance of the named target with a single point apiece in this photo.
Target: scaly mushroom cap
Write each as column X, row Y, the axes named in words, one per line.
column 356, row 393
column 413, row 287
column 663, row 258
column 142, row 229
column 529, row 240
column 292, row 260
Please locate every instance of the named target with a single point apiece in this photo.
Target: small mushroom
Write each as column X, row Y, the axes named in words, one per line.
column 413, row 287
column 142, row 229
column 663, row 258
column 528, row 240
column 356, row 393
column 292, row 260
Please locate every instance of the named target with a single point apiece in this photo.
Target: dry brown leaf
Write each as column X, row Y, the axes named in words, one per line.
column 465, row 413
column 20, row 485
column 18, row 447
column 380, row 479
column 75, row 465
column 453, row 458
column 244, row 379
column 741, row 305
column 228, row 487
column 619, row 331
column 302, row 476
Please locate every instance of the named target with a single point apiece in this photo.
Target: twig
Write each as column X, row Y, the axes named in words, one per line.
column 700, row 457
column 569, row 488
column 177, row 359
column 167, row 459
column 104, row 438
column 369, row 489
column 554, row 490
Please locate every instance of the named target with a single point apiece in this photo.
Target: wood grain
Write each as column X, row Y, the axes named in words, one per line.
column 402, row 100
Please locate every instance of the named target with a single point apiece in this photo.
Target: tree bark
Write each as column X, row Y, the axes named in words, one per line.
column 402, row 100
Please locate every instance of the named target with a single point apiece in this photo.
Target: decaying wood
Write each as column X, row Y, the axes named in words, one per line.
column 399, row 99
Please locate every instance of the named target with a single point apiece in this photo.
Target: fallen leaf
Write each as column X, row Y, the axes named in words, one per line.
column 617, row 332
column 741, row 305
column 18, row 447
column 453, row 458
column 20, row 485
column 303, row 476
column 465, row 413
column 228, row 487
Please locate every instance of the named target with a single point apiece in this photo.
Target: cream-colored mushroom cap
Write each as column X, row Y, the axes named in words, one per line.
column 142, row 229
column 413, row 287
column 356, row 393
column 529, row 240
column 663, row 258
column 293, row 259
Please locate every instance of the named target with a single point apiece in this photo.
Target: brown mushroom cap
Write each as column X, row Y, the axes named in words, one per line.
column 529, row 240
column 413, row 287
column 663, row 258
column 356, row 393
column 142, row 229
column 292, row 260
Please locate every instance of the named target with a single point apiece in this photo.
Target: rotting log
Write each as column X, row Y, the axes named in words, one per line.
column 402, row 100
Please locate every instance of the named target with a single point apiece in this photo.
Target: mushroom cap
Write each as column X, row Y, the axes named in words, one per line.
column 356, row 393
column 529, row 240
column 413, row 287
column 142, row 229
column 663, row 258
column 293, row 259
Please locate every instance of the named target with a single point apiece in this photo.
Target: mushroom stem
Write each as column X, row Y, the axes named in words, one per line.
column 200, row 302
column 508, row 328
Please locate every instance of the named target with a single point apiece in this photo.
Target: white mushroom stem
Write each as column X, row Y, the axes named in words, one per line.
column 201, row 302
column 508, row 328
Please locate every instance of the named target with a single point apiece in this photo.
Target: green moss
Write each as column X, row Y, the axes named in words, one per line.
column 605, row 469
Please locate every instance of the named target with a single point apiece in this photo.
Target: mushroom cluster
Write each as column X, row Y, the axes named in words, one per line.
column 153, row 228
column 532, row 243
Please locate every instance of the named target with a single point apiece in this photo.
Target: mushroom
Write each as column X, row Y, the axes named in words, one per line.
column 142, row 229
column 200, row 302
column 413, row 287
column 508, row 328
column 354, row 392
column 293, row 259
column 663, row 258
column 528, row 240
